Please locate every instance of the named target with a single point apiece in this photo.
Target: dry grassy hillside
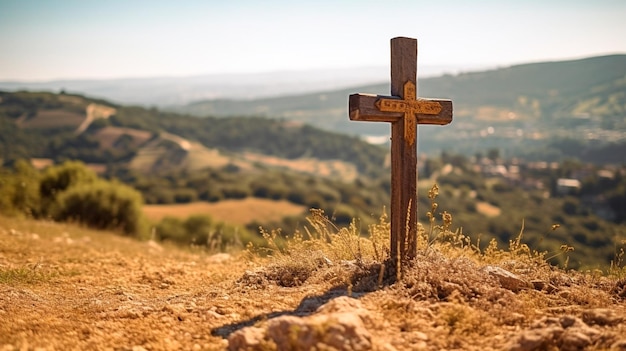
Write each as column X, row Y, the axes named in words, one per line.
column 68, row 288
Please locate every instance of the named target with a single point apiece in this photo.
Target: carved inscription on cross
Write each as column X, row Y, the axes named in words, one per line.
column 404, row 110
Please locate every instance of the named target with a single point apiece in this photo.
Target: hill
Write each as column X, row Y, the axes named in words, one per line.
column 177, row 161
column 64, row 287
column 520, row 109
column 61, row 126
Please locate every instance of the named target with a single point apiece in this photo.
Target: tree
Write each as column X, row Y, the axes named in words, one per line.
column 493, row 154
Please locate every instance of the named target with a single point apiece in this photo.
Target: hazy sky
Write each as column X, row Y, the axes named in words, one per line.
column 51, row 39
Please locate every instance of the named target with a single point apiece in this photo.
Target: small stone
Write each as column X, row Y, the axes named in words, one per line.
column 419, row 336
column 574, row 340
column 507, row 279
column 602, row 317
column 568, row 321
column 535, row 339
column 219, row 258
column 389, row 347
column 543, row 286
column 514, row 318
column 246, row 338
column 619, row 345
column 153, row 245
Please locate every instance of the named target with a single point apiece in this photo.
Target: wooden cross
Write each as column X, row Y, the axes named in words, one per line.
column 404, row 111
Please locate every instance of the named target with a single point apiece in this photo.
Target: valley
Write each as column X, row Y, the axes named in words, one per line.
column 498, row 164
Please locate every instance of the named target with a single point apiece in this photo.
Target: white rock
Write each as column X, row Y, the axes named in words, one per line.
column 507, row 279
column 337, row 325
column 246, row 339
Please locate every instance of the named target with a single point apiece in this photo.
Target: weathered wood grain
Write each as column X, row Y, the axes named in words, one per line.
column 405, row 111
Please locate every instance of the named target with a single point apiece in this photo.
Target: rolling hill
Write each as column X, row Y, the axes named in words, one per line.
column 61, row 126
column 164, row 154
column 512, row 108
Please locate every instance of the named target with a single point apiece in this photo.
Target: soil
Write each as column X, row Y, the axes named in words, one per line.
column 68, row 288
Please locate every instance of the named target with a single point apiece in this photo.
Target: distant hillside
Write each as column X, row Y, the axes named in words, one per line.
column 173, row 158
column 60, row 126
column 164, row 91
column 520, row 106
column 555, row 85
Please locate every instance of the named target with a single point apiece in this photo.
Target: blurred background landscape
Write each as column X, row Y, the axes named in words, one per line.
column 214, row 119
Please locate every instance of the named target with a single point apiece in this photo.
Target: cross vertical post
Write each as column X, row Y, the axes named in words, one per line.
column 404, row 111
column 403, row 154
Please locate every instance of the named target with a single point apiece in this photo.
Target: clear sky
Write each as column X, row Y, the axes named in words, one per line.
column 53, row 39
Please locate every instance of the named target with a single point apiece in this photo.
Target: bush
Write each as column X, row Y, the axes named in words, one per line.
column 200, row 230
column 185, row 195
column 236, row 191
column 19, row 190
column 102, row 205
column 171, row 229
column 56, row 179
column 343, row 215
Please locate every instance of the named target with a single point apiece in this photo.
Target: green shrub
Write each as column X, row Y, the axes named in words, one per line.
column 185, row 195
column 102, row 205
column 343, row 214
column 236, row 191
column 297, row 196
column 212, row 195
column 19, row 190
column 200, row 230
column 159, row 195
column 55, row 180
column 171, row 229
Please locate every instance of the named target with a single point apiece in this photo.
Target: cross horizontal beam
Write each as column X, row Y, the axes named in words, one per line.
column 365, row 105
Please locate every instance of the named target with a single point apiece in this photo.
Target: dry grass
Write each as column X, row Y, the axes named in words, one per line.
column 109, row 135
column 447, row 297
column 488, row 209
column 242, row 211
column 192, row 155
column 329, row 168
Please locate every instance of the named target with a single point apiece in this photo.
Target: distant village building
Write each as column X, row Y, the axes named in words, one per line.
column 567, row 186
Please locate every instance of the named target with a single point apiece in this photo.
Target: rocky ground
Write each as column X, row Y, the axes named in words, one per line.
column 67, row 288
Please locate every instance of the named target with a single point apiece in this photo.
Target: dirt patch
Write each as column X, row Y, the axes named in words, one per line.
column 93, row 112
column 108, row 136
column 242, row 211
column 41, row 163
